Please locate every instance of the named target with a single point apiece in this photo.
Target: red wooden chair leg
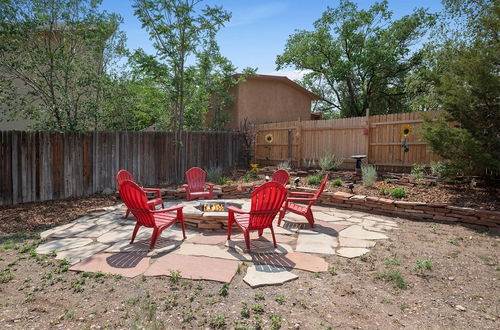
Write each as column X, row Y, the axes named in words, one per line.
column 126, row 214
column 180, row 218
column 154, row 238
column 282, row 215
column 229, row 225
column 247, row 239
column 310, row 217
column 261, row 231
column 274, row 238
column 136, row 228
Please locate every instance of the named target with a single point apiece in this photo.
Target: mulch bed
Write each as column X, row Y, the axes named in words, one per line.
column 28, row 217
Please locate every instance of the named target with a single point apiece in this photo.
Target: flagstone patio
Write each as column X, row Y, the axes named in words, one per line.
column 100, row 242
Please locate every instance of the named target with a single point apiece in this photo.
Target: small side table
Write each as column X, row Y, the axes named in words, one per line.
column 359, row 159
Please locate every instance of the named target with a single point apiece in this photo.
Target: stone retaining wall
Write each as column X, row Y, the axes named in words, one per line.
column 412, row 210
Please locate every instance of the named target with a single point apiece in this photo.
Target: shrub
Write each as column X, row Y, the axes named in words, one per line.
column 284, row 165
column 337, row 182
column 417, row 172
column 383, row 188
column 398, row 193
column 368, row 175
column 314, row 179
column 214, row 174
column 247, row 177
column 330, row 162
column 388, row 180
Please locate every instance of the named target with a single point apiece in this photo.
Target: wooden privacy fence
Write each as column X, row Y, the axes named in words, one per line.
column 37, row 166
column 379, row 137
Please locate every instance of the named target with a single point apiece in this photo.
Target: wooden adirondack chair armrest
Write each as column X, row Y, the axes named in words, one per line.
column 158, row 191
column 299, row 193
column 297, row 199
column 236, row 210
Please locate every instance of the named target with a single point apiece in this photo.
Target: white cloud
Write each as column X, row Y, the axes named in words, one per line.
column 248, row 15
column 291, row 74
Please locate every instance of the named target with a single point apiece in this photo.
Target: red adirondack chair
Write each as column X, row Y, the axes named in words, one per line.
column 135, row 198
column 266, row 202
column 195, row 187
column 281, row 176
column 302, row 197
column 124, row 175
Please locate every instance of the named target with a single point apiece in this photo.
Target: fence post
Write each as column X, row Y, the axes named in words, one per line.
column 367, row 118
column 299, row 143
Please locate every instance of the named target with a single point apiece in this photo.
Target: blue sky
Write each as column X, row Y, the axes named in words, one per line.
column 258, row 29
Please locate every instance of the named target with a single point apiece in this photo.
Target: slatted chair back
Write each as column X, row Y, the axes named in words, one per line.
column 122, row 176
column 135, row 198
column 281, row 176
column 196, row 179
column 266, row 203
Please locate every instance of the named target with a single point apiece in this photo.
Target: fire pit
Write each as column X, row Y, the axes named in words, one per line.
column 216, row 206
column 209, row 214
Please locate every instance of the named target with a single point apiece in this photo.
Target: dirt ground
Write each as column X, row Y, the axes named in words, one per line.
column 427, row 275
column 28, row 217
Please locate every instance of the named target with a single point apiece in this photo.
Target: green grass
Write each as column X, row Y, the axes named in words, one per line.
column 276, row 322
column 245, row 312
column 280, row 299
column 423, row 265
column 258, row 308
column 218, row 322
column 332, row 270
column 175, row 277
column 259, row 296
column 395, row 276
column 224, row 290
column 394, row 261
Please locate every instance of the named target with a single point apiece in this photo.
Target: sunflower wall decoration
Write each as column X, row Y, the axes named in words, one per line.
column 269, row 138
column 405, row 133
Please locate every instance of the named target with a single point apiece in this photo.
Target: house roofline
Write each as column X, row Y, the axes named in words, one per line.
column 283, row 79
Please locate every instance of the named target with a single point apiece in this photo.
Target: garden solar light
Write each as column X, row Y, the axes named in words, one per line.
column 297, row 181
column 351, row 187
column 267, row 178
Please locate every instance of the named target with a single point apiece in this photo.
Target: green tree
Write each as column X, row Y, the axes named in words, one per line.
column 179, row 31
column 358, row 59
column 467, row 85
column 53, row 60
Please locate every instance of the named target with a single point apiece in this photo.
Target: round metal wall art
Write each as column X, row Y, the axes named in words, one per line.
column 406, row 130
column 269, row 138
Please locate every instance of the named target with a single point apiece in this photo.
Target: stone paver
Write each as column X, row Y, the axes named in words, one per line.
column 98, row 230
column 126, row 264
column 210, row 238
column 124, row 232
column 360, row 233
column 62, row 244
column 50, row 232
column 348, row 252
column 162, row 245
column 77, row 254
column 314, row 242
column 194, row 267
column 261, row 275
column 354, row 242
column 295, row 260
column 258, row 246
column 211, row 251
column 102, row 237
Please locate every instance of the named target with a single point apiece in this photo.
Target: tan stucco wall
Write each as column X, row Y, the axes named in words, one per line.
column 263, row 101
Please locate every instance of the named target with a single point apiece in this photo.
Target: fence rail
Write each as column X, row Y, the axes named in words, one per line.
column 37, row 166
column 377, row 137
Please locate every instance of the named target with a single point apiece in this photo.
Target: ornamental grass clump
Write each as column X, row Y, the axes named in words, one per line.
column 330, row 162
column 368, row 175
column 337, row 182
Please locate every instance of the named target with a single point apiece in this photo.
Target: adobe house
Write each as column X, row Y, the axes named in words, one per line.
column 264, row 98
